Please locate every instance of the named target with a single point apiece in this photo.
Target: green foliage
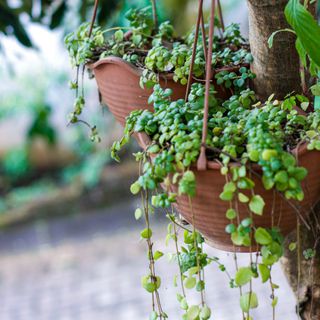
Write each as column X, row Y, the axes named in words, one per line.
column 242, row 134
column 16, row 164
column 41, row 125
column 51, row 13
column 141, row 20
column 248, row 301
column 20, row 196
column 243, row 276
column 80, row 46
column 241, row 131
column 306, row 28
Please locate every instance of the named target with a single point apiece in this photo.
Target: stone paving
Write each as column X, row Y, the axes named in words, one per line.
column 88, row 267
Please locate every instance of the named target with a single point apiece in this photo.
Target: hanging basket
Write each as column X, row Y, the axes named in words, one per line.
column 118, row 83
column 207, row 212
column 210, row 211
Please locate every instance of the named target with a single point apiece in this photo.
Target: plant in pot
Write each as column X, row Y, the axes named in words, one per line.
column 133, row 59
column 242, row 172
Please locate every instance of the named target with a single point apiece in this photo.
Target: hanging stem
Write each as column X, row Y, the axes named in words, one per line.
column 194, row 49
column 178, row 257
column 154, row 12
column 197, row 248
column 221, row 16
column 95, row 9
column 202, row 161
column 155, row 294
column 204, row 40
column 272, row 296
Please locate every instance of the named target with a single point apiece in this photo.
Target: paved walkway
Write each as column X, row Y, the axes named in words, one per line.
column 88, row 267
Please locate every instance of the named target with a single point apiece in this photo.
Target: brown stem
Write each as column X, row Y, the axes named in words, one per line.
column 154, row 13
column 202, row 161
column 95, row 8
column 194, row 49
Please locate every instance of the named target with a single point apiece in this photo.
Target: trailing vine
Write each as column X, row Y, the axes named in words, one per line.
column 251, row 140
column 243, row 131
column 156, row 51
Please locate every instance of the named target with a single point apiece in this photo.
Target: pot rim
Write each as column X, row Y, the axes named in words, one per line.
column 138, row 71
column 298, row 151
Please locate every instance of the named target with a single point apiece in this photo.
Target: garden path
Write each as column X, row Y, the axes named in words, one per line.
column 88, row 267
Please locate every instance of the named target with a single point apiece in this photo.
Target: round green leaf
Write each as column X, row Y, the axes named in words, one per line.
column 264, row 272
column 231, row 214
column 157, row 255
column 262, row 236
column 248, row 301
column 138, row 213
column 190, row 282
column 257, row 204
column 205, row 313
column 146, row 233
column 243, row 276
column 135, row 188
column 193, row 313
column 243, row 198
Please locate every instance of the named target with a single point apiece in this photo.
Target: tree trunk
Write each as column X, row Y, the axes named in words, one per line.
column 277, row 72
column 304, row 275
column 277, row 69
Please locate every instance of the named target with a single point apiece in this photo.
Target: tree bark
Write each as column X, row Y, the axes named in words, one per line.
column 277, row 69
column 304, row 275
column 278, row 72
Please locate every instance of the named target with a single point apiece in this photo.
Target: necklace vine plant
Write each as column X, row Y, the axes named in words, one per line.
column 236, row 168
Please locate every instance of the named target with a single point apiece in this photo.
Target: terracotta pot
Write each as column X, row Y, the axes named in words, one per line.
column 118, row 83
column 209, row 210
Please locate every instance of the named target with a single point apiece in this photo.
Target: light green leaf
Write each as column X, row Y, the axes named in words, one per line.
column 135, row 188
column 231, row 214
column 193, row 271
column 229, row 187
column 248, row 301
column 257, row 204
column 264, row 272
column 237, row 238
column 315, row 89
column 193, row 313
column 306, row 28
column 190, row 282
column 184, row 304
column 243, row 198
column 226, row 195
column 153, row 316
column 292, row 246
column 274, row 302
column 118, row 36
column 138, row 213
column 243, row 276
column 205, row 313
column 157, row 255
column 147, row 284
column 262, row 236
column 146, row 233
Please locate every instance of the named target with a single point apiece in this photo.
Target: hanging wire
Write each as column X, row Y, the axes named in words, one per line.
column 94, row 15
column 194, row 49
column 202, row 161
column 221, row 15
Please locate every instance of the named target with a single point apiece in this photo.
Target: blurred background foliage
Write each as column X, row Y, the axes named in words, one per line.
column 39, row 154
column 59, row 13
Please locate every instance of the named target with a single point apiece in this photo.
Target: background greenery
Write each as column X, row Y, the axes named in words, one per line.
column 38, row 152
